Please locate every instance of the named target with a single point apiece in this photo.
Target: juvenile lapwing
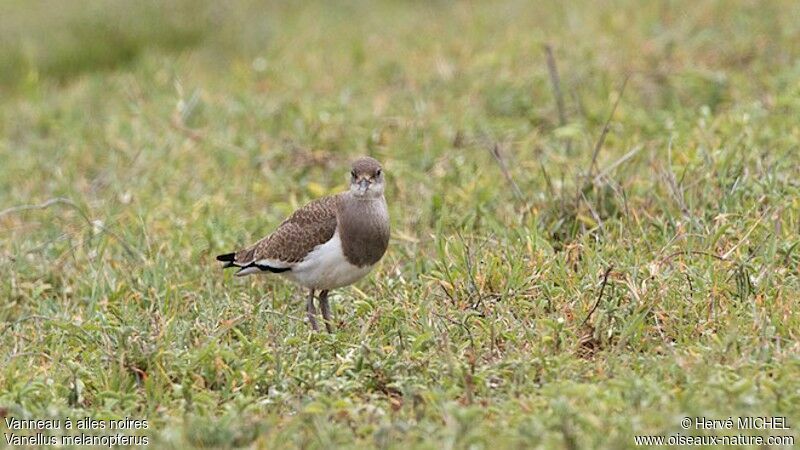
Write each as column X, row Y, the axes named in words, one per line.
column 327, row 244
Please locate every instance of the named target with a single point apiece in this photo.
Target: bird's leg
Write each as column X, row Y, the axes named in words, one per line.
column 311, row 311
column 326, row 310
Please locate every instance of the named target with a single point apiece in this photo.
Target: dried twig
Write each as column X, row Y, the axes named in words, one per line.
column 691, row 252
column 9, row 325
column 556, row 82
column 610, row 168
column 747, row 234
column 674, row 185
column 447, row 293
column 92, row 223
column 599, row 296
column 495, row 151
column 589, row 177
column 600, row 140
column 724, row 257
column 262, row 309
column 45, row 205
column 593, row 212
column 548, row 182
column 470, row 274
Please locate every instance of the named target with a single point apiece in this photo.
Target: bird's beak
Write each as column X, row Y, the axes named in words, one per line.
column 363, row 184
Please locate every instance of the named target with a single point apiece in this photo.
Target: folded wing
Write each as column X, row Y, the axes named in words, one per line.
column 310, row 226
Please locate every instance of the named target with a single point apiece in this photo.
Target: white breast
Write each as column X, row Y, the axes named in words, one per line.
column 325, row 267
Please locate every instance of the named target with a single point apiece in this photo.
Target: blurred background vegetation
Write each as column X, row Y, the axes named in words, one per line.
column 549, row 284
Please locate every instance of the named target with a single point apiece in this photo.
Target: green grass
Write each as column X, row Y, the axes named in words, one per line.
column 177, row 134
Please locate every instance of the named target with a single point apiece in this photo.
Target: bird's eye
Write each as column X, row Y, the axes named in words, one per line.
column 353, row 173
column 378, row 173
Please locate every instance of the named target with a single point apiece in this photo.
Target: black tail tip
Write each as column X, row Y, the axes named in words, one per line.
column 227, row 257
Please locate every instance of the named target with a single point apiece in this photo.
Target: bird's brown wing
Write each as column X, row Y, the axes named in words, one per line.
column 306, row 228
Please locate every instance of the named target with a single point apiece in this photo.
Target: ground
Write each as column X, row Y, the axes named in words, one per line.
column 586, row 247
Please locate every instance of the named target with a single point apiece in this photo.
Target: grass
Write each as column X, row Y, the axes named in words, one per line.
column 530, row 298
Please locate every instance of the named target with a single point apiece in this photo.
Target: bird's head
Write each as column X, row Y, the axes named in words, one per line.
column 366, row 178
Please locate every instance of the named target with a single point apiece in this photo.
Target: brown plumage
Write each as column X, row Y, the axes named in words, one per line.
column 308, row 227
column 329, row 243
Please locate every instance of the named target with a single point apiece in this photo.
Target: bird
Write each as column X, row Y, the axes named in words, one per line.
column 329, row 243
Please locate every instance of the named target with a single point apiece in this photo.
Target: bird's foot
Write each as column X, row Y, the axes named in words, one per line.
column 311, row 311
column 326, row 310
